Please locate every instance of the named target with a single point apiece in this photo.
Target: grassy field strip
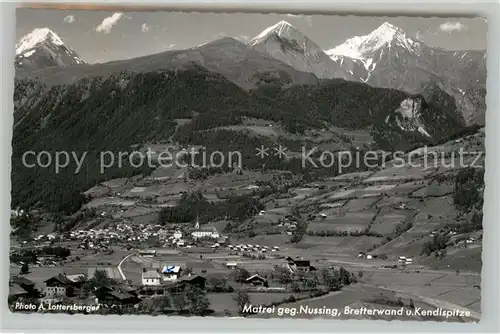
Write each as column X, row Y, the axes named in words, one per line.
column 460, row 287
column 435, row 279
column 436, row 303
column 476, row 301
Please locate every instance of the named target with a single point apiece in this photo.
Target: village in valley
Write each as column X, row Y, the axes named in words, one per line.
column 170, row 244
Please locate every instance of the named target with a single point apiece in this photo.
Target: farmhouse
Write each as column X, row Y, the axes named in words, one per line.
column 25, row 284
column 16, row 292
column 299, row 265
column 147, row 253
column 171, row 273
column 151, row 277
column 470, row 240
column 231, row 265
column 177, row 235
column 257, row 280
column 222, row 240
column 193, row 280
column 116, row 296
column 61, row 286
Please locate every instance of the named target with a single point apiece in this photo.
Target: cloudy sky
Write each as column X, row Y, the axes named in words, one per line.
column 100, row 36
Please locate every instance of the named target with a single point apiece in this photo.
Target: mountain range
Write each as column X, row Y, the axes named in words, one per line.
column 281, row 54
column 281, row 76
column 388, row 57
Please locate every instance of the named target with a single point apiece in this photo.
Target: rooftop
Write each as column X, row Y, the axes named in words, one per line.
column 171, row 269
column 149, row 274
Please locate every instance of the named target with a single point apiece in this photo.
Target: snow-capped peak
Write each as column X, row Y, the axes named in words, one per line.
column 362, row 47
column 44, row 48
column 281, row 28
column 37, row 36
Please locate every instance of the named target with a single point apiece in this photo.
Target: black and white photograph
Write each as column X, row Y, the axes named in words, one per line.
column 248, row 165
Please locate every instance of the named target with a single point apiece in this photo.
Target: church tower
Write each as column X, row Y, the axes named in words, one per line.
column 197, row 224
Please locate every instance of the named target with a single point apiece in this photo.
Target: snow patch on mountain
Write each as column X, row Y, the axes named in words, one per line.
column 27, row 54
column 279, row 28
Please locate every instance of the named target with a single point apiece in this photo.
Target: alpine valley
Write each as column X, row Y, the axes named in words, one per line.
column 232, row 177
column 383, row 90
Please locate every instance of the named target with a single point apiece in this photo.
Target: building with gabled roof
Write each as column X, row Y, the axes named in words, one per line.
column 206, row 231
column 257, row 280
column 151, row 277
column 16, row 292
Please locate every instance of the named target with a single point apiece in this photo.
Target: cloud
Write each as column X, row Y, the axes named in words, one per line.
column 452, row 26
column 108, row 23
column 293, row 15
column 144, row 27
column 69, row 19
column 243, row 38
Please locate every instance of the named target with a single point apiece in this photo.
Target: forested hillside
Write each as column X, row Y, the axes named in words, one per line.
column 114, row 113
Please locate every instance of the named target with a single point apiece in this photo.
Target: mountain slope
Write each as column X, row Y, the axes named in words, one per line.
column 284, row 42
column 113, row 113
column 228, row 56
column 44, row 48
column 388, row 57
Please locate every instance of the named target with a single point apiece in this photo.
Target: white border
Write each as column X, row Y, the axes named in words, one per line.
column 490, row 274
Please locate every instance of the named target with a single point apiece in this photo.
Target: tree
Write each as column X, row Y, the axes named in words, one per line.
column 412, row 304
column 360, row 274
column 332, row 279
column 25, row 269
column 99, row 279
column 438, row 242
column 199, row 303
column 345, row 276
column 23, row 226
column 283, row 275
column 242, row 299
column 179, row 301
column 295, row 287
column 218, row 284
column 241, row 274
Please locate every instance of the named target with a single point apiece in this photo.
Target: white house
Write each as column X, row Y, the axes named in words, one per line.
column 231, row 265
column 209, row 231
column 147, row 253
column 171, row 273
column 151, row 277
column 177, row 235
